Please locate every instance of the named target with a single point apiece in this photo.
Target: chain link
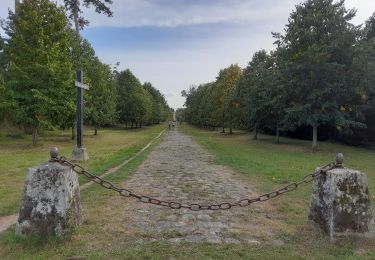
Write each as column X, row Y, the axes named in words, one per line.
column 195, row 206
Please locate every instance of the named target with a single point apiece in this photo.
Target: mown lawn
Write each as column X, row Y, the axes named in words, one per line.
column 267, row 166
column 109, row 148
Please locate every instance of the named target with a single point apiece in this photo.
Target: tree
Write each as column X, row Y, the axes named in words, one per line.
column 226, row 83
column 361, row 79
column 180, row 115
column 102, row 97
column 40, row 67
column 5, row 97
column 158, row 104
column 318, row 42
column 143, row 105
column 74, row 8
column 257, row 94
column 128, row 88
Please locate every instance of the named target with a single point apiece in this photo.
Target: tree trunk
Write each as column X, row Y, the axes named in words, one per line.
column 256, row 132
column 315, row 139
column 140, row 124
column 223, row 131
column 35, row 135
column 277, row 134
column 95, row 130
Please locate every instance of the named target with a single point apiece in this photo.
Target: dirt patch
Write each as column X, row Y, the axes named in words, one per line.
column 7, row 221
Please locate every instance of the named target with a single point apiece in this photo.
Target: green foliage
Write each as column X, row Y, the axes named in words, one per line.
column 319, row 44
column 214, row 104
column 40, row 69
column 37, row 62
column 100, row 100
column 225, row 85
column 160, row 108
column 74, row 9
column 181, row 115
column 137, row 103
column 321, row 75
column 260, row 93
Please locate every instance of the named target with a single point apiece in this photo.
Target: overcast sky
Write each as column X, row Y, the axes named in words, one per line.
column 177, row 43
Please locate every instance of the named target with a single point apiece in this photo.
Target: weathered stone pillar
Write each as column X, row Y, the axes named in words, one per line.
column 340, row 202
column 51, row 201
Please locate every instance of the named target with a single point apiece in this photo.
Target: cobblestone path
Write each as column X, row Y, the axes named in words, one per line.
column 179, row 169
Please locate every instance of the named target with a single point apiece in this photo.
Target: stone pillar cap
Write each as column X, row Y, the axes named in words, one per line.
column 54, row 152
column 339, row 159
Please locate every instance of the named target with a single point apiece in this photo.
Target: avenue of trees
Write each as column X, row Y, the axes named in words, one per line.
column 38, row 59
column 318, row 82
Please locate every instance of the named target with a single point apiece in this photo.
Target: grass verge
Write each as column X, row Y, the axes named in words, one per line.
column 269, row 166
column 109, row 148
column 102, row 233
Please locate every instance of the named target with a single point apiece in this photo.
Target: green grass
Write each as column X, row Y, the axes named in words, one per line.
column 266, row 165
column 269, row 166
column 109, row 148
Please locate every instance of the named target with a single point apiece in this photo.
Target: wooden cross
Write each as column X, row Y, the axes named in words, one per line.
column 80, row 87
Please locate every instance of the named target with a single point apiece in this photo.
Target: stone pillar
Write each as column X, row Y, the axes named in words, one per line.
column 51, row 201
column 340, row 202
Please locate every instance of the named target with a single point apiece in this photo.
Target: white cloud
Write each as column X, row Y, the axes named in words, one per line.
column 196, row 62
column 175, row 70
column 133, row 13
column 365, row 8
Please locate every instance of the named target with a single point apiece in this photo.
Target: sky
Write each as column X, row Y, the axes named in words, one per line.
column 178, row 43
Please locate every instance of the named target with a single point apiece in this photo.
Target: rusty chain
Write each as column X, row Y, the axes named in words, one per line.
column 194, row 206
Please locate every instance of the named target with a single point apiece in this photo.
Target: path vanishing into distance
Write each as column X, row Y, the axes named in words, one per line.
column 179, row 169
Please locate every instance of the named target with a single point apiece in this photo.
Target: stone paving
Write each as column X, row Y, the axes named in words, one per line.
column 179, row 169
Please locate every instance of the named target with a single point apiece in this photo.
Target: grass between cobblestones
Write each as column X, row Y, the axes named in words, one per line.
column 109, row 148
column 267, row 165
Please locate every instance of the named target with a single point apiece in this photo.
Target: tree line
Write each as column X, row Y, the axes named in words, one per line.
column 319, row 81
column 38, row 58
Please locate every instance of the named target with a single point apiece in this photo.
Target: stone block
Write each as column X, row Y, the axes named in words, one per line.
column 51, row 202
column 80, row 154
column 340, row 202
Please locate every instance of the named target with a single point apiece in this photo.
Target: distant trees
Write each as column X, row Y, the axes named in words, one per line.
column 320, row 76
column 225, row 86
column 180, row 115
column 213, row 104
column 137, row 103
column 160, row 110
column 37, row 62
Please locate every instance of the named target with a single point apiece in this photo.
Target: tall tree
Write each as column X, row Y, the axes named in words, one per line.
column 128, row 88
column 319, row 43
column 40, row 67
column 258, row 93
column 102, row 97
column 75, row 10
column 5, row 97
column 226, row 83
column 75, row 14
column 361, row 78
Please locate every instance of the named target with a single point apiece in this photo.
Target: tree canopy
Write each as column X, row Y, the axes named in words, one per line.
column 39, row 75
column 37, row 61
column 320, row 75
